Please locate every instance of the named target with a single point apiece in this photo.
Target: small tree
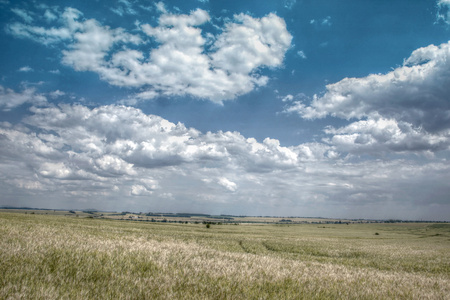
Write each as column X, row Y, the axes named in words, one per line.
column 207, row 225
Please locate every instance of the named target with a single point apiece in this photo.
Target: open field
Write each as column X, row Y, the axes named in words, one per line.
column 55, row 256
column 177, row 218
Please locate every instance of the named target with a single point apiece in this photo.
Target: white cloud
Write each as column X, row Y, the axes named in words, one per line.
column 149, row 141
column 113, row 153
column 161, row 7
column 114, row 165
column 26, row 69
column 229, row 185
column 419, row 88
column 443, row 14
column 124, row 7
column 49, row 15
column 288, row 4
column 412, row 98
column 180, row 65
column 23, row 14
column 287, row 98
column 9, row 99
column 92, row 45
column 128, row 7
column 118, row 141
column 140, row 190
column 26, row 184
column 325, row 22
column 55, row 170
column 301, row 54
column 244, row 47
column 51, row 35
column 56, row 94
column 117, row 10
column 381, row 136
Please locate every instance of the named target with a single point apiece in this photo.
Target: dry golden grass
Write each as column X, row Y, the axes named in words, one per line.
column 55, row 257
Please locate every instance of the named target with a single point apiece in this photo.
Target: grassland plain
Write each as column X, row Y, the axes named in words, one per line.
column 57, row 257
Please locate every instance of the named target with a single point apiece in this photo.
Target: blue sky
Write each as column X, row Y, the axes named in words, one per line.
column 308, row 108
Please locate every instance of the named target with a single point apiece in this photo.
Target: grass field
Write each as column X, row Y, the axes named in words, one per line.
column 58, row 257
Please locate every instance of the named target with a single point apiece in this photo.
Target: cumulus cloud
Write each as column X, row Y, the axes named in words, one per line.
column 250, row 43
column 10, row 99
column 184, row 63
column 381, row 136
column 411, row 100
column 416, row 92
column 121, row 139
column 118, row 147
column 125, row 159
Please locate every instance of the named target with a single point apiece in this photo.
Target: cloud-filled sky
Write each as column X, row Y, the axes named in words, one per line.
column 290, row 108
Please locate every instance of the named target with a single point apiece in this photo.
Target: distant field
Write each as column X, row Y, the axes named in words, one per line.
column 177, row 218
column 56, row 256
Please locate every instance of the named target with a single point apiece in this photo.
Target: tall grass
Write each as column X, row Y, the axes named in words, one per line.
column 53, row 257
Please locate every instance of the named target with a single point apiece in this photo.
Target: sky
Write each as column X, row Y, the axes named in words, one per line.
column 313, row 108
